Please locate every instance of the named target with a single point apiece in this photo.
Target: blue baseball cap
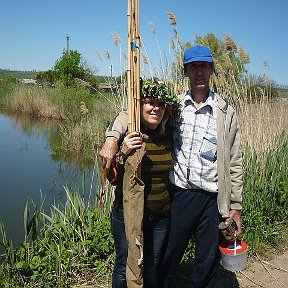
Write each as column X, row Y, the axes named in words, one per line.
column 197, row 54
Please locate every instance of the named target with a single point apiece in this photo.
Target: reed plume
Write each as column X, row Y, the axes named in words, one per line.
column 145, row 58
column 152, row 27
column 172, row 43
column 83, row 108
column 116, row 38
column 98, row 54
column 171, row 18
column 107, row 53
column 229, row 43
column 243, row 56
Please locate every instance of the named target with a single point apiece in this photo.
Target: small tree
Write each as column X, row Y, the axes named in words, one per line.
column 69, row 67
column 46, row 78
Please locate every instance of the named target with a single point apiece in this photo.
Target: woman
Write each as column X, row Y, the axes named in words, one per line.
column 156, row 106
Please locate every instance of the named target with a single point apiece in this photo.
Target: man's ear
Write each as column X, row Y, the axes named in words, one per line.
column 212, row 65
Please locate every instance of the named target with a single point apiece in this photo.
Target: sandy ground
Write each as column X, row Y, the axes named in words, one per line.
column 260, row 272
column 265, row 273
column 270, row 272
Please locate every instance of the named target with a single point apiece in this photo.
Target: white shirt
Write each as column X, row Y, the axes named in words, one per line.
column 195, row 145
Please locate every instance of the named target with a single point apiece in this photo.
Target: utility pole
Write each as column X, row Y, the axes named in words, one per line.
column 68, row 39
column 265, row 66
column 111, row 71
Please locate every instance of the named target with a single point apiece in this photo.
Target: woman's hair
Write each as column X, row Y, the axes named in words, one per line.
column 160, row 91
column 165, row 118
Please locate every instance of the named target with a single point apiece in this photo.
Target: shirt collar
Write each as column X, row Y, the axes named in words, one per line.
column 210, row 101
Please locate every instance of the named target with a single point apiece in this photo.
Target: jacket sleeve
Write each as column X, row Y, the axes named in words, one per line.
column 118, row 126
column 236, row 169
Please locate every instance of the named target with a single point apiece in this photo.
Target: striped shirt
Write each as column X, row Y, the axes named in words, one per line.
column 155, row 166
column 195, row 145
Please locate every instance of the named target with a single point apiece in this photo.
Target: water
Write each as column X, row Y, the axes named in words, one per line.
column 27, row 170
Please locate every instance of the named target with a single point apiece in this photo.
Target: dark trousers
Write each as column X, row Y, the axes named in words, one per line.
column 155, row 231
column 193, row 212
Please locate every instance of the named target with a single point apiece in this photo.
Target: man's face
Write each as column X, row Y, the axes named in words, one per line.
column 199, row 74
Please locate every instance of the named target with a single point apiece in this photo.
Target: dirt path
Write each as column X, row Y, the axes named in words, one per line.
column 271, row 273
column 265, row 273
column 260, row 272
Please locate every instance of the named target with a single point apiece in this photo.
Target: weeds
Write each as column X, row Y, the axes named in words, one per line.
column 265, row 205
column 72, row 243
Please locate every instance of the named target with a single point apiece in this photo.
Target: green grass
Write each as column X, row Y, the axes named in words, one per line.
column 283, row 92
column 5, row 74
column 71, row 244
column 265, row 198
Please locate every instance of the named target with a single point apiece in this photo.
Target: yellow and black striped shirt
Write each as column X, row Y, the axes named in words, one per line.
column 155, row 167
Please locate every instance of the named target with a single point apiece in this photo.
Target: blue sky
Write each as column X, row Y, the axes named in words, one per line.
column 33, row 33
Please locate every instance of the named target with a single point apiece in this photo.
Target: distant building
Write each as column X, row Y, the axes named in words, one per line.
column 107, row 87
column 27, row 81
column 283, row 86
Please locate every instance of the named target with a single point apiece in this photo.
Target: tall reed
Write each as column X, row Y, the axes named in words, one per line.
column 34, row 101
column 265, row 198
column 262, row 123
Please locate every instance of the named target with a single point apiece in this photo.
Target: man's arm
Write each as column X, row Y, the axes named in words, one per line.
column 236, row 167
column 108, row 151
column 114, row 133
column 118, row 126
column 236, row 171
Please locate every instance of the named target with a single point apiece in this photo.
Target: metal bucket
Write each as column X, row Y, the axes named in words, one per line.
column 233, row 255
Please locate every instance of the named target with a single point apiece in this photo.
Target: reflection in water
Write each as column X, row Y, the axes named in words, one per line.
column 27, row 170
column 33, row 125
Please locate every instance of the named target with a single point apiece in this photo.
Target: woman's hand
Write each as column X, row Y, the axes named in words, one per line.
column 132, row 141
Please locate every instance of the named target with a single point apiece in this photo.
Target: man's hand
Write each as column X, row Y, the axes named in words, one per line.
column 108, row 151
column 236, row 216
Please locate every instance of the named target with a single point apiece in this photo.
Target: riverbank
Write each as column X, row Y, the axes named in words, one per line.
column 74, row 244
column 83, row 115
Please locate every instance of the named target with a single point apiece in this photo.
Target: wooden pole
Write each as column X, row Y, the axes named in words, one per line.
column 133, row 70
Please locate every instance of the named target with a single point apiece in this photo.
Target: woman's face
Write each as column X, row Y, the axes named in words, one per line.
column 152, row 112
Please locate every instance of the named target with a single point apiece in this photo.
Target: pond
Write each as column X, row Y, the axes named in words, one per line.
column 28, row 170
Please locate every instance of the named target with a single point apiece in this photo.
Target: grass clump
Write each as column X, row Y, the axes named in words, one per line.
column 72, row 244
column 265, row 198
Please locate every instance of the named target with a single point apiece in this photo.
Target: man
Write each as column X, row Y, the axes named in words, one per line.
column 207, row 173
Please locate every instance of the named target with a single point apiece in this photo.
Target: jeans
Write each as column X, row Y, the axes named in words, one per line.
column 155, row 232
column 121, row 249
column 193, row 212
